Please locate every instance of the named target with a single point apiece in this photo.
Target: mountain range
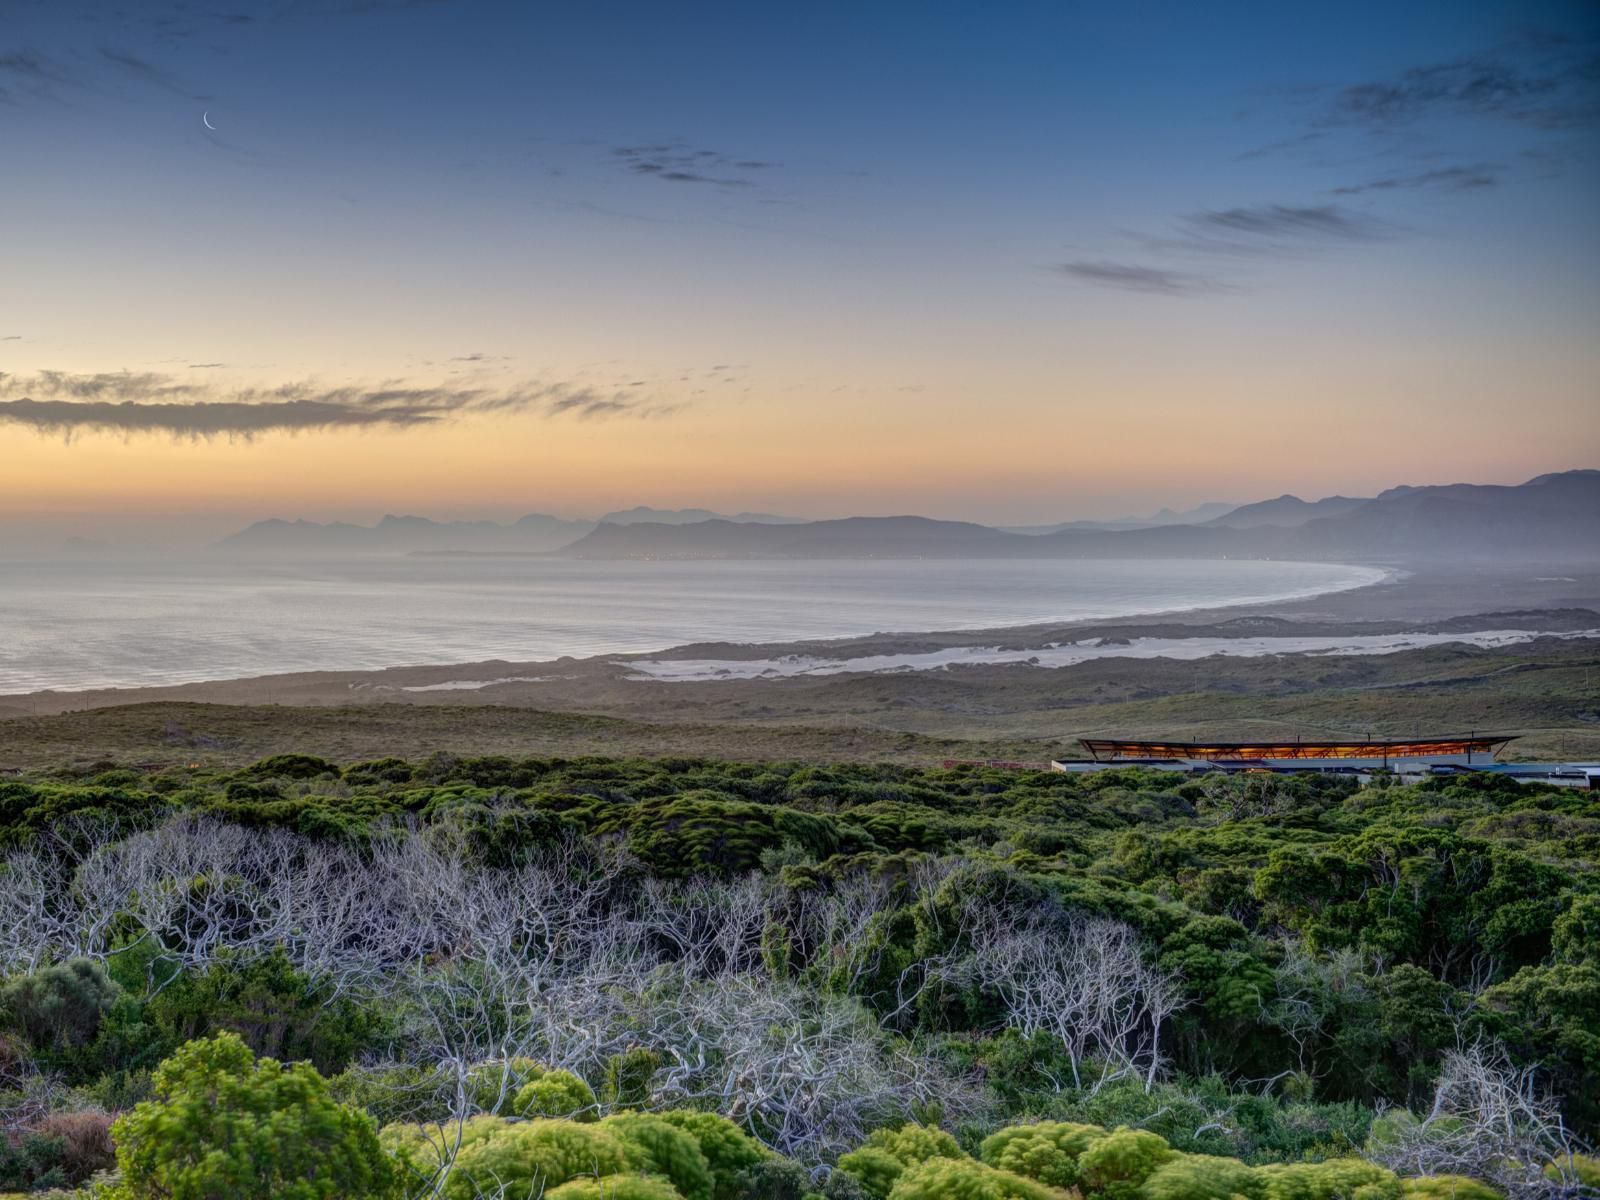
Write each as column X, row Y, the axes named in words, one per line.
column 1285, row 512
column 534, row 533
column 1166, row 516
column 688, row 516
column 1551, row 517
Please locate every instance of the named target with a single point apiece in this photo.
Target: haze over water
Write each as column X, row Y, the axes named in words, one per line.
column 81, row 625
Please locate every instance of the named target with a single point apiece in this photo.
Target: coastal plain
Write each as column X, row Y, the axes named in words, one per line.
column 1545, row 688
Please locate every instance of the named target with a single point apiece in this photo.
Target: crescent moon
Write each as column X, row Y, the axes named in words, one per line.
column 205, row 119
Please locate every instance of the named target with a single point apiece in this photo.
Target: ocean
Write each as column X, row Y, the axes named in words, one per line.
column 79, row 624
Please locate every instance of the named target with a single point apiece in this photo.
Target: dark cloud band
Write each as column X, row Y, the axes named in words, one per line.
column 147, row 403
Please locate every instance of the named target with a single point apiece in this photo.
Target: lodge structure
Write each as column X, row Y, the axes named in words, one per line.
column 1406, row 758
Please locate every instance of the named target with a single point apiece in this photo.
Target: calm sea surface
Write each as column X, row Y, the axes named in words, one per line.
column 71, row 625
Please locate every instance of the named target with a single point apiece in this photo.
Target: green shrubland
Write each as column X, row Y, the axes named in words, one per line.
column 709, row 980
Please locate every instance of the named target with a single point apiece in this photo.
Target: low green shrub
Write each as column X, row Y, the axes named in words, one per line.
column 224, row 1123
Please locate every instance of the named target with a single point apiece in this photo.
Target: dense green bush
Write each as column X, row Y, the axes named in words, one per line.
column 889, row 1152
column 628, row 1075
column 964, row 1179
column 1047, row 1151
column 555, row 1094
column 224, row 1123
column 1117, row 1164
column 395, row 1093
column 729, row 1151
column 525, row 1088
column 1446, row 1187
column 657, row 1147
column 277, row 1010
column 32, row 1162
column 59, row 1008
column 615, row 1187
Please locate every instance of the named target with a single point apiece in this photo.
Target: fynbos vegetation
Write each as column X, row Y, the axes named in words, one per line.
column 701, row 980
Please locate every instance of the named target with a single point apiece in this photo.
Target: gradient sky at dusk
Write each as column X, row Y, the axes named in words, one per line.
column 1005, row 261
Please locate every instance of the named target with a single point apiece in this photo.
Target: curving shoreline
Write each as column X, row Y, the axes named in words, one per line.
column 1422, row 600
column 96, row 627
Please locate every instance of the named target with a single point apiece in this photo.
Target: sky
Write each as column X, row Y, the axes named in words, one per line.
column 1004, row 261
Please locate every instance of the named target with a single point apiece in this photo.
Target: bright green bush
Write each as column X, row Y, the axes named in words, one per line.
column 728, row 1150
column 526, row 1088
column 966, row 1179
column 555, row 1094
column 875, row 1169
column 422, row 1149
column 522, row 1158
column 615, row 1187
column 1446, row 1187
column 916, row 1143
column 224, row 1123
column 656, row 1147
column 1336, row 1179
column 1118, row 1163
column 888, row 1152
column 1047, row 1151
column 1202, row 1177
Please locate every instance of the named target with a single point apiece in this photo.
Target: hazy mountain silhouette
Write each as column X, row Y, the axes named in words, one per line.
column 1192, row 516
column 689, row 516
column 404, row 534
column 1287, row 511
column 1552, row 517
column 534, row 533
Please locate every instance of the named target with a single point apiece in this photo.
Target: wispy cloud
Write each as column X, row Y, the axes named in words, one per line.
column 181, row 21
column 679, row 162
column 147, row 72
column 1447, row 179
column 1275, row 229
column 1134, row 277
column 1553, row 85
column 150, row 403
column 28, row 73
column 1218, row 235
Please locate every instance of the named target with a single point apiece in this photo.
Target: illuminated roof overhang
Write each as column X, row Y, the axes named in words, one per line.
column 1109, row 748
